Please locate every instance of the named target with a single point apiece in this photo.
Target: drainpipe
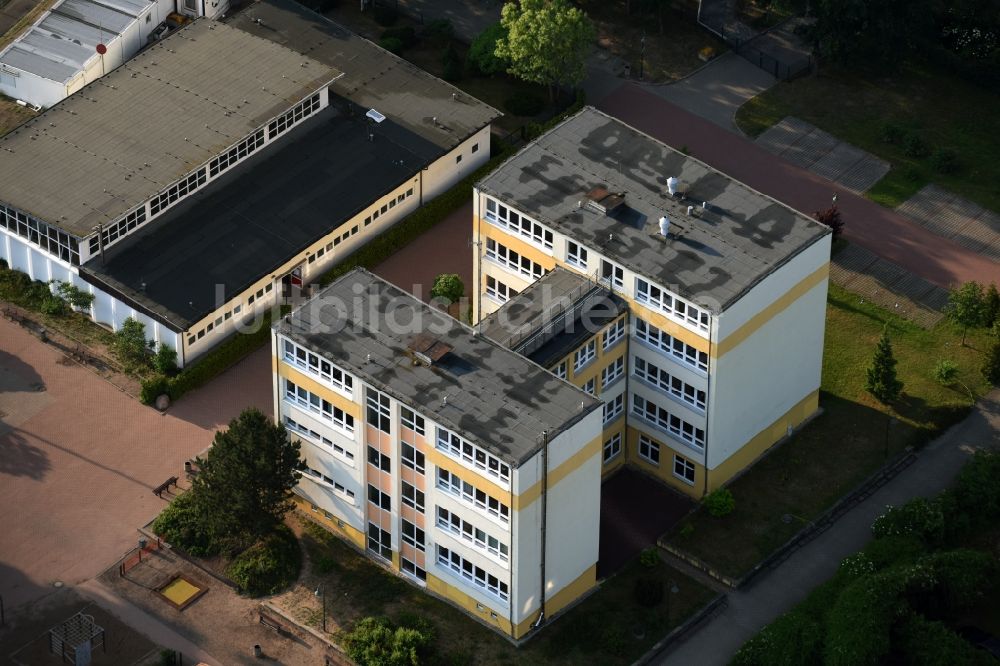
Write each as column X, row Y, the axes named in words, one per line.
column 708, row 402
column 544, row 499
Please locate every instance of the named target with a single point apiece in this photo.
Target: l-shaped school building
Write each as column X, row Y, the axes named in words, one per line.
column 226, row 167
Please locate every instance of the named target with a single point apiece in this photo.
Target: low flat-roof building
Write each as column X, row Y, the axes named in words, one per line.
column 445, row 456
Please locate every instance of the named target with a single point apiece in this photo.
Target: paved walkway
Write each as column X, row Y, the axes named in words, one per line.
column 965, row 223
column 775, row 593
column 887, row 233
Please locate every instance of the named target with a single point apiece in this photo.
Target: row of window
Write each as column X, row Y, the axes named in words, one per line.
column 319, row 405
column 317, row 438
column 452, row 522
column 236, row 153
column 675, row 347
column 317, row 475
column 465, row 451
column 673, row 306
column 212, row 325
column 316, row 365
column 649, row 450
column 516, row 262
column 466, row 569
column 392, row 203
column 117, row 230
column 672, row 423
column 662, row 379
column 454, row 485
column 498, row 291
column 52, row 240
column 295, row 114
column 178, row 191
column 504, row 217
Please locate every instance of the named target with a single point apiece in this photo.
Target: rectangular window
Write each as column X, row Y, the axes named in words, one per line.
column 455, row 524
column 412, row 569
column 674, row 307
column 584, row 355
column 413, row 535
column 412, row 497
column 411, row 420
column 674, row 347
column 498, row 291
column 458, row 158
column 613, row 372
column 314, row 403
column 589, row 386
column 510, row 259
column 613, row 408
column 378, row 410
column 614, row 334
column 474, row 574
column 379, row 460
column 453, row 485
column 649, row 450
column 294, row 115
column 379, row 541
column 576, row 255
column 504, row 217
column 560, row 370
column 612, row 447
column 412, row 458
column 662, row 379
column 475, row 147
column 684, row 469
column 314, row 437
column 472, row 455
column 379, row 498
column 612, row 275
column 671, row 423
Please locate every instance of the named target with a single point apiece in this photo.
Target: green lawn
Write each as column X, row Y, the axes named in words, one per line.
column 943, row 110
column 847, row 442
column 608, row 627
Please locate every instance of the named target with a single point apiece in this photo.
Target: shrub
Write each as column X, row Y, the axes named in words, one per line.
column 448, row 287
column 920, row 518
column 650, row 557
column 945, row 372
column 915, row 146
column 270, row 565
column 794, row 638
column 385, row 16
column 152, row 388
column 439, row 31
column 648, row 592
column 976, row 491
column 78, row 298
column 991, row 364
column 482, row 54
column 375, row 642
column 687, row 529
column 524, row 104
column 391, row 44
column 945, row 160
column 831, row 218
column 892, row 133
column 720, row 502
column 452, row 64
column 404, row 34
column 924, row 641
column 991, row 306
column 165, row 360
column 130, row 344
column 324, row 564
column 53, row 305
column 180, row 526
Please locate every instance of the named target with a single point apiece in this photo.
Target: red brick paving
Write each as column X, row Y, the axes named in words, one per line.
column 870, row 225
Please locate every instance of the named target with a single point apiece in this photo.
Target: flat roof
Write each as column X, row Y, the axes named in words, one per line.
column 259, row 215
column 122, row 139
column 373, row 77
column 712, row 258
column 482, row 391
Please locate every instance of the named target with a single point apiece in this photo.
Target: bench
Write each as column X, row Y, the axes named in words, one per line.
column 273, row 624
column 158, row 490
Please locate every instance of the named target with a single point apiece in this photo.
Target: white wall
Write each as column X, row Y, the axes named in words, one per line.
column 444, row 172
column 32, row 88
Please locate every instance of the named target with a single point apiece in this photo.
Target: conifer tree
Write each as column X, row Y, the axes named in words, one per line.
column 881, row 381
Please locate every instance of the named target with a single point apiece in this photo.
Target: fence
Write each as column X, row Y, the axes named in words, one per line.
column 134, row 557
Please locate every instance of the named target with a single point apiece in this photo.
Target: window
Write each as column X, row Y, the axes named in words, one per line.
column 412, row 458
column 453, row 523
column 613, row 372
column 400, row 198
column 453, row 485
column 458, row 158
column 576, row 255
column 649, row 450
column 409, row 192
column 379, row 541
column 379, row 498
column 674, row 347
column 510, row 259
column 411, row 420
column 612, row 447
column 236, row 153
column 671, row 423
column 292, row 116
column 413, row 535
column 378, row 410
column 613, row 408
column 589, row 386
column 472, row 455
column 684, row 469
column 314, row 437
column 504, row 217
column 676, row 387
column 178, row 191
column 412, row 497
column 379, row 460
column 412, row 569
column 347, row 494
column 314, row 403
column 560, row 370
column 469, row 571
column 498, row 291
column 475, row 147
column 584, row 355
column 614, row 334
column 612, row 275
column 672, row 306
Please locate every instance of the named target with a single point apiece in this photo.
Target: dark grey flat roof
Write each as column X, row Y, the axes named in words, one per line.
column 712, row 258
column 484, row 392
column 260, row 215
column 373, row 77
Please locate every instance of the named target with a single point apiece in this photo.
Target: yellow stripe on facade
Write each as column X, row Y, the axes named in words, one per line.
column 772, row 310
column 561, row 599
column 556, row 475
column 327, row 393
column 516, row 243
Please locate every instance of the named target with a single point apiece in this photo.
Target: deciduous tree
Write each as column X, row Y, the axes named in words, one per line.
column 966, row 306
column 448, row 287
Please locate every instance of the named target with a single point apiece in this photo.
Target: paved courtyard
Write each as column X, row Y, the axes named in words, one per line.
column 963, row 222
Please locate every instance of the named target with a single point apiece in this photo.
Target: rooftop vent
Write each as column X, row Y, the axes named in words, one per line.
column 375, row 115
column 664, row 226
column 674, row 186
column 603, row 201
column 428, row 349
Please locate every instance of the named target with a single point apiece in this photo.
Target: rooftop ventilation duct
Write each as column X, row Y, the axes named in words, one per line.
column 428, row 349
column 603, row 201
column 664, row 226
column 673, row 185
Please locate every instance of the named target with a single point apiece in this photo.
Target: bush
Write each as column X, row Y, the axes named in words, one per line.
column 324, row 564
column 920, row 518
column 153, row 388
column 53, row 305
column 648, row 592
column 892, row 133
column 452, row 64
column 831, row 218
column 650, row 557
column 482, row 54
column 945, row 160
column 945, row 372
column 405, row 34
column 180, row 526
column 448, row 287
column 991, row 364
column 270, row 565
column 720, row 502
column 794, row 638
column 535, row 130
column 392, row 44
column 78, row 298
column 375, row 642
column 385, row 16
column 130, row 344
column 524, row 104
column 914, row 146
column 165, row 360
column 439, row 31
column 976, row 491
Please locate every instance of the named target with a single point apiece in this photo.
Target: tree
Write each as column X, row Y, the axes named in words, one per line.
column 881, row 381
column 547, row 42
column 991, row 365
column 448, row 287
column 165, row 360
column 375, row 642
column 872, row 32
column 130, row 344
column 451, row 64
column 991, row 306
column 483, row 51
column 831, row 218
column 243, row 488
column 966, row 306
